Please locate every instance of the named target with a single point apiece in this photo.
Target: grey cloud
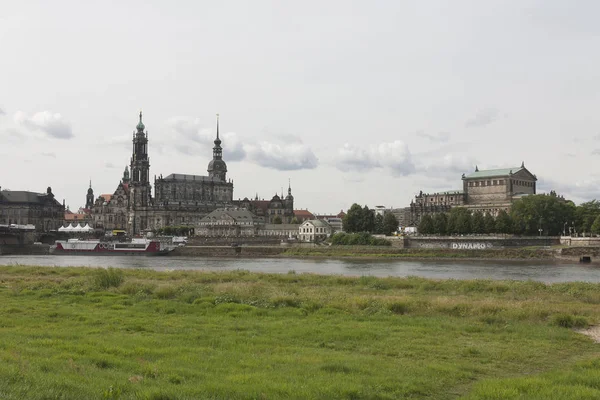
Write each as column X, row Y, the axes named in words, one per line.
column 442, row 137
column 52, row 124
column 583, row 190
column 286, row 157
column 483, row 117
column 449, row 167
column 394, row 156
column 193, row 139
column 595, row 152
column 49, row 154
column 2, row 112
column 109, row 165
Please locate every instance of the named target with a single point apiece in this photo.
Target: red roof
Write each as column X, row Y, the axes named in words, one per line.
column 303, row 214
column 106, row 197
column 74, row 217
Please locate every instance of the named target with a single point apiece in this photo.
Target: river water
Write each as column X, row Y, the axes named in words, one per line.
column 543, row 271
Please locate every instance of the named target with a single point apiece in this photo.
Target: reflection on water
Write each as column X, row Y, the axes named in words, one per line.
column 544, row 271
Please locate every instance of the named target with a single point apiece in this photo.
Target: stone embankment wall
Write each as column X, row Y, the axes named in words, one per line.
column 254, row 241
column 477, row 242
column 580, row 241
column 28, row 249
column 229, row 251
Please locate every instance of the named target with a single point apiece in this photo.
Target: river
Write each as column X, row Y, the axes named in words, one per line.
column 543, row 271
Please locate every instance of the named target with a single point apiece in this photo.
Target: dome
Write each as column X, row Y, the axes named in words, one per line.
column 140, row 126
column 90, row 191
column 276, row 198
column 217, row 165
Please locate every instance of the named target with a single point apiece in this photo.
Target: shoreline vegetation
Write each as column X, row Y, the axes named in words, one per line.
column 137, row 334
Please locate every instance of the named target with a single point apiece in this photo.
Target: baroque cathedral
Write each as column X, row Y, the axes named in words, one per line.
column 179, row 199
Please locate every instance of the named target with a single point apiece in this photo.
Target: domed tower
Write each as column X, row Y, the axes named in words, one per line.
column 140, row 163
column 125, row 178
column 89, row 198
column 289, row 204
column 217, row 167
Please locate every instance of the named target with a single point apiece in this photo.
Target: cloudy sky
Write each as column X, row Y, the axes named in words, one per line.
column 354, row 101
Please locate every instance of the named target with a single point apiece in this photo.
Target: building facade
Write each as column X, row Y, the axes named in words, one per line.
column 487, row 191
column 29, row 208
column 314, row 230
column 179, row 199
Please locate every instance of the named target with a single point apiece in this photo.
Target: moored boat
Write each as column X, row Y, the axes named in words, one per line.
column 136, row 246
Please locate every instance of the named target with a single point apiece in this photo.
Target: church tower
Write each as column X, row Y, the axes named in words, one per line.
column 89, row 198
column 139, row 184
column 217, row 168
column 289, row 204
column 125, row 178
column 140, row 163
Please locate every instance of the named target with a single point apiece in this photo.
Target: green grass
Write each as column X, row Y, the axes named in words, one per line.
column 73, row 333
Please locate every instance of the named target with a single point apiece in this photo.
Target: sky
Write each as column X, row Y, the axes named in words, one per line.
column 350, row 101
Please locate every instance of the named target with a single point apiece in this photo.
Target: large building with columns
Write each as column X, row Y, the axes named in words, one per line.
column 488, row 191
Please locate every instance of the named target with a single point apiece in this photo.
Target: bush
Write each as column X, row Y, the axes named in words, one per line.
column 106, row 278
column 358, row 239
column 569, row 321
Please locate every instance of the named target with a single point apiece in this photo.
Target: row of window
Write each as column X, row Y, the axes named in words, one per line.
column 499, row 182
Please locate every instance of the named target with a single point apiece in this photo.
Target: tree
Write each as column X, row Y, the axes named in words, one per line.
column 459, row 221
column 478, row 223
column 503, row 222
column 352, row 221
column 595, row 228
column 489, row 223
column 359, row 219
column 368, row 220
column 378, row 227
column 277, row 220
column 585, row 216
column 426, row 225
column 540, row 211
column 440, row 223
column 390, row 223
column 294, row 221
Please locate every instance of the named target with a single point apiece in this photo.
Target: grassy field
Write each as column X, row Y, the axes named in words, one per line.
column 81, row 333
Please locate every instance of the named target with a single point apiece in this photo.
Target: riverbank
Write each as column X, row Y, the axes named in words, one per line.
column 362, row 252
column 89, row 333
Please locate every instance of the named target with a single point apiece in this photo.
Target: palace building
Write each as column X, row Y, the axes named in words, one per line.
column 179, row 199
column 487, row 191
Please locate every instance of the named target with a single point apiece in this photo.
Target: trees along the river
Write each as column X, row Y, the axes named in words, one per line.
column 440, row 224
column 459, row 221
column 489, row 223
column 390, row 223
column 426, row 225
column 536, row 212
column 585, row 215
column 359, row 219
column 478, row 223
column 378, row 224
column 503, row 222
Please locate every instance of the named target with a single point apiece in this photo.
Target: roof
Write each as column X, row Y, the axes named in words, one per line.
column 319, row 223
column 186, row 177
column 303, row 214
column 19, row 196
column 106, row 197
column 280, row 227
column 238, row 214
column 490, row 173
column 74, row 217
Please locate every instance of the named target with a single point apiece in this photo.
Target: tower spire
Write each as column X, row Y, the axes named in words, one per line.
column 217, row 126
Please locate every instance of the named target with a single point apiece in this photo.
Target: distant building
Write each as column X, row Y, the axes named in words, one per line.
column 303, row 215
column 314, row 230
column 228, row 222
column 380, row 210
column 29, row 208
column 488, row 191
column 179, row 199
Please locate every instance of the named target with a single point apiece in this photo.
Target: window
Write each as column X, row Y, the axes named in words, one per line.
column 488, row 183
